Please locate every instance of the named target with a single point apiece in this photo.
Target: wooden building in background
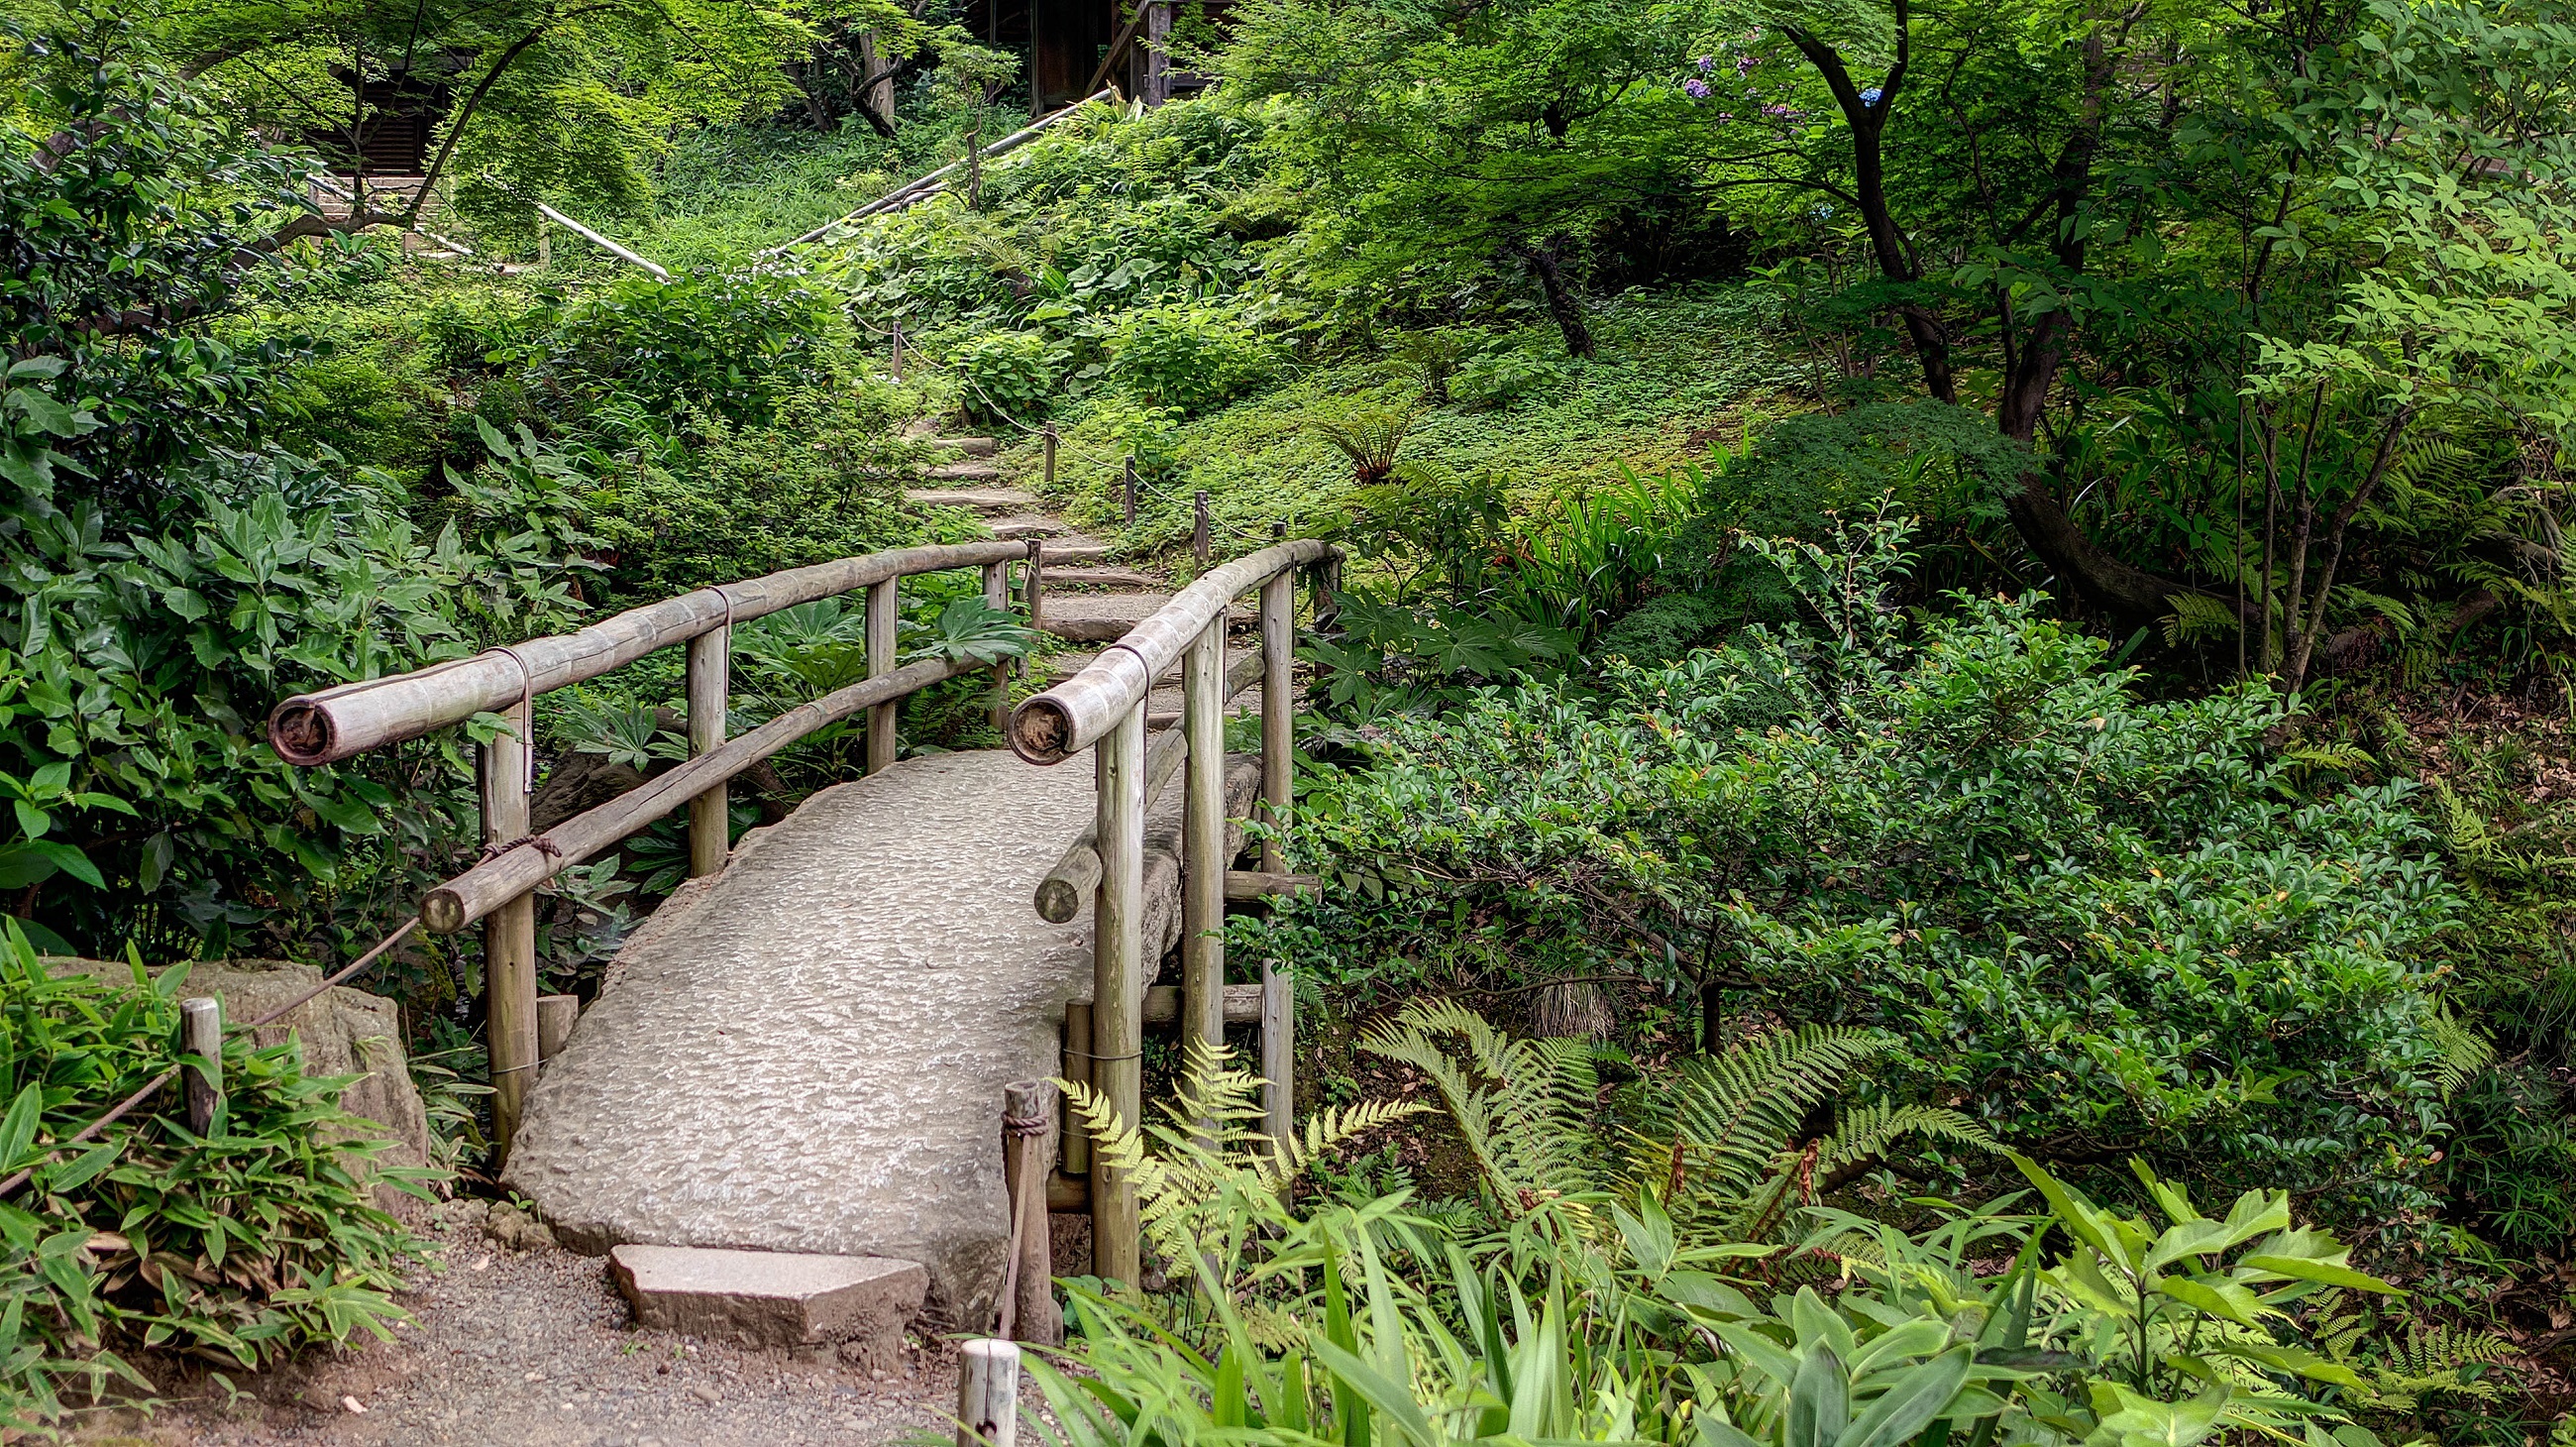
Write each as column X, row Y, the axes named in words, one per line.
column 1074, row 47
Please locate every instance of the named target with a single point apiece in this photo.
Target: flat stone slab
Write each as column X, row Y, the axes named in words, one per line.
column 971, row 446
column 1073, row 549
column 1103, row 578
column 977, row 499
column 772, row 1298
column 811, row 1057
column 963, row 472
column 1029, row 525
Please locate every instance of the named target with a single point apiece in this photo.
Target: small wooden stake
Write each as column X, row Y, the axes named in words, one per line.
column 1049, row 484
column 1033, row 582
column 556, row 1015
column 1128, row 493
column 1199, row 530
column 988, row 1394
column 1077, row 1071
column 201, row 1032
column 1026, row 1159
column 882, row 613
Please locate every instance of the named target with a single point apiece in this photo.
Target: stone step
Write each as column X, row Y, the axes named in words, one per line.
column 1102, row 578
column 775, row 1298
column 1029, row 525
column 963, row 472
column 971, row 446
column 978, row 499
column 1073, row 550
column 1098, row 617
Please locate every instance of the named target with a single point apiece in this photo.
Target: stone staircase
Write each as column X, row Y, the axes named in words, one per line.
column 1087, row 601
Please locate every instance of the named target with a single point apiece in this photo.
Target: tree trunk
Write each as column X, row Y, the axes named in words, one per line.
column 1547, row 264
column 876, row 94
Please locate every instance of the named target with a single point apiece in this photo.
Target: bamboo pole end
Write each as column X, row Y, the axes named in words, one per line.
column 301, row 733
column 443, row 911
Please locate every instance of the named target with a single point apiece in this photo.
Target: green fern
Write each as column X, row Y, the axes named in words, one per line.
column 2197, row 616
column 2398, row 1372
column 2465, row 1052
column 1722, row 1153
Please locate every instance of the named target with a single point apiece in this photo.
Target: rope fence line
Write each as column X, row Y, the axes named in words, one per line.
column 154, row 1086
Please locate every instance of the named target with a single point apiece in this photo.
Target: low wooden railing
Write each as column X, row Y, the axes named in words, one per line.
column 1102, row 709
column 499, row 891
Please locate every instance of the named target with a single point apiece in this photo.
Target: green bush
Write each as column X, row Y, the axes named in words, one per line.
column 2098, row 925
column 1188, row 357
column 734, row 343
column 236, row 1248
column 1006, row 374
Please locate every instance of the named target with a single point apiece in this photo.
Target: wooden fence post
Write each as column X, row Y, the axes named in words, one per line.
column 1077, row 1071
column 1278, row 710
column 1127, row 491
column 509, row 933
column 883, row 612
column 1028, row 1150
column 201, row 1032
column 1200, row 543
column 1033, row 579
column 997, row 596
column 1203, row 841
column 1049, row 484
column 710, row 821
column 1278, row 1053
column 988, row 1394
column 1118, row 985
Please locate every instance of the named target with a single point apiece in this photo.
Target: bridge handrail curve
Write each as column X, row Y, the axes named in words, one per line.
column 1053, row 726
column 348, row 719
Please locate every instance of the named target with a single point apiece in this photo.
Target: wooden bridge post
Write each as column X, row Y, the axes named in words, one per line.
column 997, row 595
column 1278, row 1054
column 1278, row 711
column 710, row 822
column 509, row 932
column 1118, row 985
column 1077, row 1071
column 1203, row 859
column 882, row 614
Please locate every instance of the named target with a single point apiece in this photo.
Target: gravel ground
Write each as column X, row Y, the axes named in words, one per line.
column 533, row 1349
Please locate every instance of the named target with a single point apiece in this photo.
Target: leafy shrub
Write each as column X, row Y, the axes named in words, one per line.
column 2098, row 925
column 237, row 1248
column 1006, row 374
column 1188, row 357
column 1502, row 375
column 733, row 343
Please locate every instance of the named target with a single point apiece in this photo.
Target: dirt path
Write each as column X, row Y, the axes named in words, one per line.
column 534, row 1349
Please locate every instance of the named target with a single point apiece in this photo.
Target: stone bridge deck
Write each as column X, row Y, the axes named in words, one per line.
column 806, row 1052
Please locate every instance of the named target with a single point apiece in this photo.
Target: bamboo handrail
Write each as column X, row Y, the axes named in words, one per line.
column 1077, row 872
column 920, row 188
column 336, row 723
column 512, row 873
column 1072, row 716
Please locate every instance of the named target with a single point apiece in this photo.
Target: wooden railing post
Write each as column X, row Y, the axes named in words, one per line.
column 1278, row 1053
column 1200, row 541
column 1077, row 1071
column 1203, row 841
column 1278, row 710
column 1033, row 580
column 1118, row 985
column 1029, row 1310
column 509, row 933
column 882, row 614
column 1127, row 493
column 1049, row 474
column 997, row 595
column 710, row 821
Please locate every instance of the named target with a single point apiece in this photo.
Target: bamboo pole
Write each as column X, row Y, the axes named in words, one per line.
column 1077, row 871
column 882, row 616
column 604, row 244
column 1203, row 841
column 1242, row 1005
column 922, row 188
column 509, row 934
column 1278, row 711
column 1077, row 1071
column 336, row 723
column 1028, row 1153
column 710, row 812
column 1278, row 1054
column 1117, row 989
column 478, row 891
column 201, row 1033
column 988, row 1394
column 1053, row 726
column 997, row 595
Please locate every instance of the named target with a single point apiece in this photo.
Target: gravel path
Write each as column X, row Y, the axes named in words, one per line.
column 534, row 1349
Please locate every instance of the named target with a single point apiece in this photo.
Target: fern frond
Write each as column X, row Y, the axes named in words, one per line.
column 2465, row 1052
column 2196, row 616
column 1523, row 1106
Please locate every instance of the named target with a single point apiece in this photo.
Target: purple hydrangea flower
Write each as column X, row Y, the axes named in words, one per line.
column 1744, row 66
column 1695, row 88
column 1706, row 63
column 1776, row 112
column 1870, row 96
